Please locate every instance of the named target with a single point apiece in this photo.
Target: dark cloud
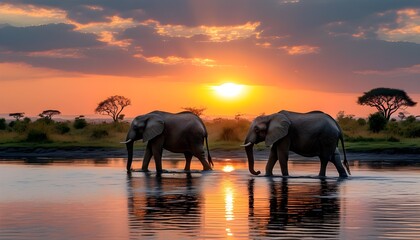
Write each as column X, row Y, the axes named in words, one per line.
column 344, row 32
column 44, row 37
column 87, row 14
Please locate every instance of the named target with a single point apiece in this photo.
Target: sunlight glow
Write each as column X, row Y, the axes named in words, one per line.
column 228, row 168
column 228, row 90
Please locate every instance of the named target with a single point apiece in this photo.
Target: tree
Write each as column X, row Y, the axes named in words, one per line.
column 386, row 100
column 17, row 116
column 195, row 110
column 47, row 114
column 113, row 106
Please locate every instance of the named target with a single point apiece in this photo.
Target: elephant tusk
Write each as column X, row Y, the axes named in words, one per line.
column 129, row 140
column 246, row 145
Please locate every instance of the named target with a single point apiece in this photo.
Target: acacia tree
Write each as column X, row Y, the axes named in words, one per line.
column 113, row 106
column 49, row 113
column 195, row 110
column 17, row 116
column 386, row 100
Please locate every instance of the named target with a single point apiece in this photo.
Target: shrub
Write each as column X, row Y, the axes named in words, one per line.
column 410, row 119
column 62, row 128
column 412, row 131
column 361, row 121
column 393, row 139
column 80, row 123
column 394, row 128
column 36, row 135
column 377, row 122
column 358, row 139
column 27, row 120
column 19, row 126
column 229, row 134
column 3, row 124
column 99, row 133
column 347, row 122
column 120, row 126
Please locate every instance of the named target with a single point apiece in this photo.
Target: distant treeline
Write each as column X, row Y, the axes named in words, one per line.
column 79, row 130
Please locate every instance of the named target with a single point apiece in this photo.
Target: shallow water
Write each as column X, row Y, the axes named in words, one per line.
column 92, row 199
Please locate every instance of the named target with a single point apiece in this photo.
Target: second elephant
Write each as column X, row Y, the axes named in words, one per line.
column 308, row 134
column 182, row 132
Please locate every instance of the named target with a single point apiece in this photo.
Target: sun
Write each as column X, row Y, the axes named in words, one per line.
column 228, row 90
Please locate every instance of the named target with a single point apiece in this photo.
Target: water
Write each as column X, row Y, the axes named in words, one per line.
column 88, row 199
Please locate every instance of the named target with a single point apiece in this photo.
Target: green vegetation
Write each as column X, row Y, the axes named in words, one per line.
column 49, row 133
column 224, row 134
column 377, row 135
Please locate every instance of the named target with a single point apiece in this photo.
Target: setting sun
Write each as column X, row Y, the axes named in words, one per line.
column 228, row 90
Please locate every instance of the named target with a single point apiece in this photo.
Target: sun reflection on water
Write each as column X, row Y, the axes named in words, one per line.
column 228, row 168
column 229, row 201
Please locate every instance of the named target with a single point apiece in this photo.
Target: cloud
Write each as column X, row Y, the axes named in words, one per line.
column 300, row 50
column 44, row 37
column 22, row 15
column 407, row 27
column 173, row 60
column 214, row 33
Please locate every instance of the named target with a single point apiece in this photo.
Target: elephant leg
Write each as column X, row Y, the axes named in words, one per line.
column 188, row 157
column 283, row 155
column 337, row 163
column 202, row 157
column 323, row 168
column 147, row 156
column 157, row 149
column 272, row 159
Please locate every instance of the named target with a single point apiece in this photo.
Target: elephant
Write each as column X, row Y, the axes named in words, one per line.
column 182, row 132
column 308, row 134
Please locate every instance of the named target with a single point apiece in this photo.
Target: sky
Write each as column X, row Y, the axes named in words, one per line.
column 298, row 55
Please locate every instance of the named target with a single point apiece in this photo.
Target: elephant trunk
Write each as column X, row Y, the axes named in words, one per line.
column 250, row 154
column 129, row 146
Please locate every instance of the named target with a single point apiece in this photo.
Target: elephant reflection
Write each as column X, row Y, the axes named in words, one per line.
column 157, row 204
column 296, row 204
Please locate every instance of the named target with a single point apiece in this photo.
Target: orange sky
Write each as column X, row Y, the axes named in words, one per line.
column 295, row 55
column 79, row 95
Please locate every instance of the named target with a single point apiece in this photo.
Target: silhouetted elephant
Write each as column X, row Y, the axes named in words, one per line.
column 182, row 132
column 308, row 134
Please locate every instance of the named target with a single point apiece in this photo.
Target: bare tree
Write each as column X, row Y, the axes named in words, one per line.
column 113, row 106
column 386, row 100
column 195, row 110
column 17, row 116
column 49, row 113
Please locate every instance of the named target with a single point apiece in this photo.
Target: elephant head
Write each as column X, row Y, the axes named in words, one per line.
column 270, row 129
column 144, row 127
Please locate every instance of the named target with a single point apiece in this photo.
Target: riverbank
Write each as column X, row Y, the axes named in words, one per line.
column 260, row 154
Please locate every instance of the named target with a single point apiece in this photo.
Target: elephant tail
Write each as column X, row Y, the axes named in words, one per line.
column 346, row 163
column 208, row 153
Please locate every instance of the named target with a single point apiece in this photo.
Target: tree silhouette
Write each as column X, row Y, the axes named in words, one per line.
column 113, row 106
column 195, row 110
column 49, row 113
column 17, row 116
column 386, row 100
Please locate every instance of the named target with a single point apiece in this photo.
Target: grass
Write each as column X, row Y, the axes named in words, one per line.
column 403, row 145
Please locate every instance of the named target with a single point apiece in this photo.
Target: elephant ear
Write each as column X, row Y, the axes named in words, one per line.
column 154, row 127
column 277, row 129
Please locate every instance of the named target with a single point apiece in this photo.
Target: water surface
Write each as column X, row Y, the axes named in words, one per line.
column 96, row 199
